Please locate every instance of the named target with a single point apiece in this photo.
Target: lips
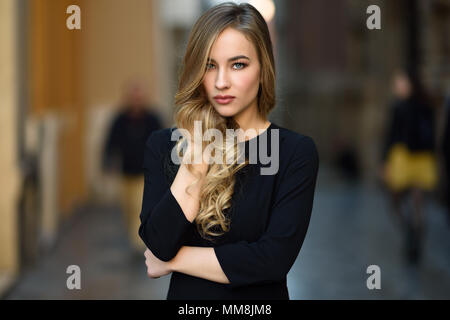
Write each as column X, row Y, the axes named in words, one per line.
column 223, row 99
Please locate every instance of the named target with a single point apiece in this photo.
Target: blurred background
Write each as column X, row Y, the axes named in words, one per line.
column 76, row 107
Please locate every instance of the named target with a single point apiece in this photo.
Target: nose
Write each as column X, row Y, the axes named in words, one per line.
column 222, row 81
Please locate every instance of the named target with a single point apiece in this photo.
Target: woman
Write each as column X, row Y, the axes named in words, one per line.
column 446, row 154
column 223, row 229
column 410, row 167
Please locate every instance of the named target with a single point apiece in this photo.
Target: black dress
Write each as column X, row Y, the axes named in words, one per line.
column 270, row 215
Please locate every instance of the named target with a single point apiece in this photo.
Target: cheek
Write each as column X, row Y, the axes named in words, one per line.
column 208, row 84
column 247, row 82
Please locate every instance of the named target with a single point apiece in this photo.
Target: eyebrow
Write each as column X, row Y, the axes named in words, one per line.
column 233, row 58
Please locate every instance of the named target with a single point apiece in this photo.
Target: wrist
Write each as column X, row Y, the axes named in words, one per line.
column 173, row 264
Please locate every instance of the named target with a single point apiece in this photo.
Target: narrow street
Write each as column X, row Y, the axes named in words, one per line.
column 350, row 229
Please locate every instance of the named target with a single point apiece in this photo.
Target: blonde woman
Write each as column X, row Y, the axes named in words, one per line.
column 225, row 229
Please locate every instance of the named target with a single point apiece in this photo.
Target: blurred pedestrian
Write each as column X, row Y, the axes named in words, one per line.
column 410, row 167
column 446, row 153
column 124, row 152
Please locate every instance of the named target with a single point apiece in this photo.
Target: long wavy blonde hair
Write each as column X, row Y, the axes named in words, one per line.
column 192, row 104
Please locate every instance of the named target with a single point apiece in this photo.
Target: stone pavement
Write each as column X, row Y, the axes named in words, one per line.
column 350, row 229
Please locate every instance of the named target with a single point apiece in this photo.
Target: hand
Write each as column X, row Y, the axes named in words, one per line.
column 189, row 157
column 155, row 267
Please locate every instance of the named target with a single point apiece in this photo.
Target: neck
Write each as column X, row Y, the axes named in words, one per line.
column 255, row 122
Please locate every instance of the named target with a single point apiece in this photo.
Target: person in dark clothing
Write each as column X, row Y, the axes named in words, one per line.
column 124, row 152
column 410, row 167
column 130, row 128
column 225, row 228
column 446, row 153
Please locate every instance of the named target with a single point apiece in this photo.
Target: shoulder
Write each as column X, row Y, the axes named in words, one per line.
column 396, row 107
column 151, row 114
column 119, row 117
column 160, row 139
column 297, row 153
column 297, row 145
column 157, row 148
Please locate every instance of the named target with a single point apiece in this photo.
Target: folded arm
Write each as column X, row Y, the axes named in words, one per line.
column 167, row 213
column 198, row 262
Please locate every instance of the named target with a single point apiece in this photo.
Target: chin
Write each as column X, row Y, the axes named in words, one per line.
column 225, row 111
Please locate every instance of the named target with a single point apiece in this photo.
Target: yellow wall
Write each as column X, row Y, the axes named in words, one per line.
column 9, row 174
column 70, row 72
column 119, row 43
column 75, row 71
column 55, row 82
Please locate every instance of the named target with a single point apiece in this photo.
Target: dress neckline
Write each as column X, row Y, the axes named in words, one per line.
column 271, row 126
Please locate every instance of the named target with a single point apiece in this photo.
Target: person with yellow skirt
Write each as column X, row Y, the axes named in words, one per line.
column 410, row 164
column 446, row 155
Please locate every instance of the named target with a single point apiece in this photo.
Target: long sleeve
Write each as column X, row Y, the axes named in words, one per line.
column 163, row 224
column 270, row 258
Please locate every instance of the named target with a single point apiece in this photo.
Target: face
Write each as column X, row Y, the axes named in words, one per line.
column 402, row 87
column 135, row 97
column 233, row 70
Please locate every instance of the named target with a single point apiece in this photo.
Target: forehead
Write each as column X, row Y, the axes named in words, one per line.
column 230, row 43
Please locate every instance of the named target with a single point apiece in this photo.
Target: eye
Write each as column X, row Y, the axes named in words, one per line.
column 241, row 64
column 209, row 66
